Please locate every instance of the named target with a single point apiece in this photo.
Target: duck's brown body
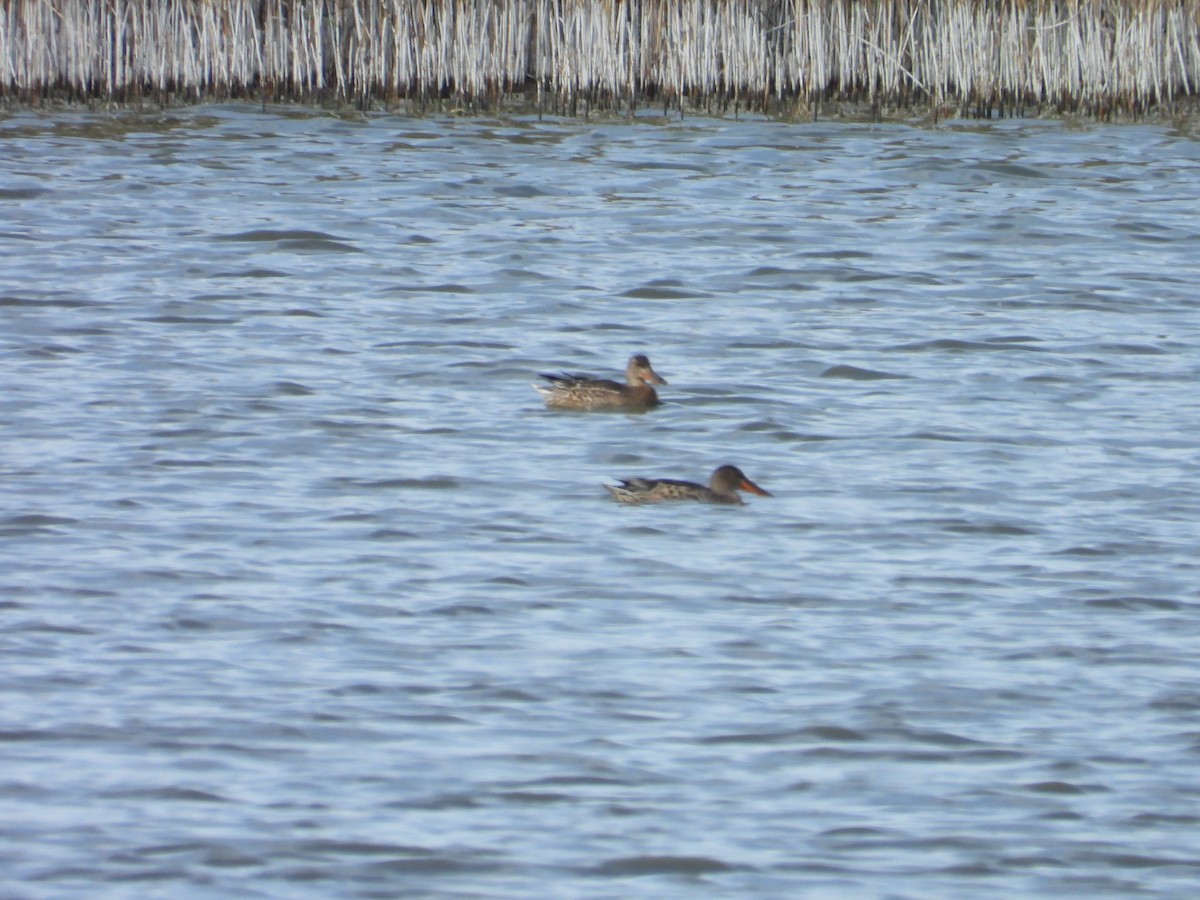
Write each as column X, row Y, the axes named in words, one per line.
column 723, row 487
column 568, row 391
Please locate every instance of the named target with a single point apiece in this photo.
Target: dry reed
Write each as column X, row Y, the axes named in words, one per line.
column 978, row 56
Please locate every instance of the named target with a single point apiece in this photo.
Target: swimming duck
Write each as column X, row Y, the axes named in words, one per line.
column 568, row 391
column 723, row 487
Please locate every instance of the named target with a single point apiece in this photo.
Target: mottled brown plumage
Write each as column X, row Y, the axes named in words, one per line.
column 723, row 487
column 568, row 391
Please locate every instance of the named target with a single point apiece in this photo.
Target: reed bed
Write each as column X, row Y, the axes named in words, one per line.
column 979, row 56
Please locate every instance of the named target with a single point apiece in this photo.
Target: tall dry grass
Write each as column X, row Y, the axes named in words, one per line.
column 976, row 55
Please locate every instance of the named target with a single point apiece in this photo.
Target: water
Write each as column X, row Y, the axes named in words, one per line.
column 305, row 594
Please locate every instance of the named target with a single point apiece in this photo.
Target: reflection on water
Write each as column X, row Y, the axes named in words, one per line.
column 304, row 589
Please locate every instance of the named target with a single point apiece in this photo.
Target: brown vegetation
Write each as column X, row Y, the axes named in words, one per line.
column 977, row 56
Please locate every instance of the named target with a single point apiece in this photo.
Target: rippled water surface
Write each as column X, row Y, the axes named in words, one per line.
column 305, row 594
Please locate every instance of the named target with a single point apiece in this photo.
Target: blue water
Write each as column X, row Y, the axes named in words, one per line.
column 303, row 593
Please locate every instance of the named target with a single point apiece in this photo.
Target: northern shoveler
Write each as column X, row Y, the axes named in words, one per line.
column 723, row 487
column 568, row 391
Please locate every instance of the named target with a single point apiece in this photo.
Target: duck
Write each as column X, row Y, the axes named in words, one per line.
column 723, row 487
column 567, row 391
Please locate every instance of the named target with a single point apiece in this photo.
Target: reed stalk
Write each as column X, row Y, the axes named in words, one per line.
column 981, row 56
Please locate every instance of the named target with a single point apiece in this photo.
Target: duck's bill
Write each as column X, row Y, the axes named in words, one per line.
column 654, row 378
column 748, row 485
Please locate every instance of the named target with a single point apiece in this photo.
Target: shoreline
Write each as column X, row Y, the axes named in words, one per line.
column 1185, row 113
